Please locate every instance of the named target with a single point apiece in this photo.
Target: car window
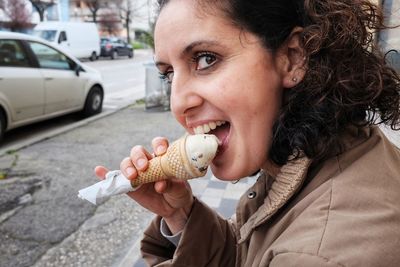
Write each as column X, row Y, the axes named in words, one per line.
column 12, row 54
column 50, row 58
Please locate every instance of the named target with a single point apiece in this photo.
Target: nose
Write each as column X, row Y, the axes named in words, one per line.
column 185, row 95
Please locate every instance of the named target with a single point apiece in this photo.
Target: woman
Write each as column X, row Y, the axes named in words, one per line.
column 291, row 88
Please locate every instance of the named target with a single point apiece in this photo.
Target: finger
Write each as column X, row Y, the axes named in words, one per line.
column 173, row 187
column 100, row 171
column 128, row 169
column 177, row 193
column 160, row 186
column 140, row 157
column 160, row 145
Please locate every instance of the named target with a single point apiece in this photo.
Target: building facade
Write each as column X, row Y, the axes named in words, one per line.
column 75, row 10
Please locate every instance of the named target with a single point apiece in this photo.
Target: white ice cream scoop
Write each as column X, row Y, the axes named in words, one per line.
column 186, row 158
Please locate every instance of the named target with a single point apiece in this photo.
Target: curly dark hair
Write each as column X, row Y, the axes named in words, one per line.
column 347, row 81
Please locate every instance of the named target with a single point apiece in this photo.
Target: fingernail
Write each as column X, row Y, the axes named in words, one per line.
column 161, row 150
column 141, row 163
column 130, row 171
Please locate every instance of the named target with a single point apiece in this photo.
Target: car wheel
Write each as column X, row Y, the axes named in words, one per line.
column 94, row 102
column 130, row 55
column 114, row 54
column 93, row 56
column 2, row 124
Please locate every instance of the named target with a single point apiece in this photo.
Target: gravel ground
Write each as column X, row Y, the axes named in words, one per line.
column 104, row 239
column 44, row 223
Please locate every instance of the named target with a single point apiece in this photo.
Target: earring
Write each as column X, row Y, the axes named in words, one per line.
column 294, row 79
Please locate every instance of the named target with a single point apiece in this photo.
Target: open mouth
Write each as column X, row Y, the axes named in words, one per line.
column 220, row 129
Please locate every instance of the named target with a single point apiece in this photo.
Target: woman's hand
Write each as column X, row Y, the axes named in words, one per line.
column 171, row 199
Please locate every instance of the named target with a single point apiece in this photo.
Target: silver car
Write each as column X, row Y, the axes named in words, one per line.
column 38, row 81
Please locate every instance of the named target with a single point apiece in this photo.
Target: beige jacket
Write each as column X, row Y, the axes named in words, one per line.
column 344, row 211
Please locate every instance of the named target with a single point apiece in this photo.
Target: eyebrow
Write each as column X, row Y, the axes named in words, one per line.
column 189, row 48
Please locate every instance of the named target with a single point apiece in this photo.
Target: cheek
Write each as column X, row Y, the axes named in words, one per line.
column 251, row 88
column 230, row 92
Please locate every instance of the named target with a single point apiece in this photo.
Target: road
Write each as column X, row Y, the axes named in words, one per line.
column 124, row 83
column 124, row 78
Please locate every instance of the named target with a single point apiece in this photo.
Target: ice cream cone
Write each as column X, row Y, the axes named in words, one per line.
column 186, row 158
column 174, row 163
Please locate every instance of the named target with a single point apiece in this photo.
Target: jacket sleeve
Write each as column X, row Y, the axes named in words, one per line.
column 298, row 259
column 207, row 240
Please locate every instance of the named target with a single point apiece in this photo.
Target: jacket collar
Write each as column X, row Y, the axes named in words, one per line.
column 284, row 186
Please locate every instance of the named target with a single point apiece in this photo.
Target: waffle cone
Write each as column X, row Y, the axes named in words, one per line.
column 173, row 164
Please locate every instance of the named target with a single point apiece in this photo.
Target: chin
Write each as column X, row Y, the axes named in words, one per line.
column 229, row 175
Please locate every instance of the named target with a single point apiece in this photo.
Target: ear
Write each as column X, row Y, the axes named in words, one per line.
column 292, row 60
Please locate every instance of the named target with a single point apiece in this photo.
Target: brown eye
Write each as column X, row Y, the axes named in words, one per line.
column 205, row 61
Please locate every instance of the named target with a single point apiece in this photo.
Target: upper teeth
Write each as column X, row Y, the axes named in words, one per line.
column 205, row 128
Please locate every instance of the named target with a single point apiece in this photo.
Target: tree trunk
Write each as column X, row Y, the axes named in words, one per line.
column 41, row 15
column 128, row 19
column 128, row 35
column 40, row 10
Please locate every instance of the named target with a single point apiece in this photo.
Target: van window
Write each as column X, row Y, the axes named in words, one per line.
column 49, row 35
column 62, row 37
column 12, row 54
column 50, row 58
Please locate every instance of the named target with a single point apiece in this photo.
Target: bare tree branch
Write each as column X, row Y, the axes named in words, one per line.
column 94, row 6
column 110, row 22
column 18, row 14
column 127, row 10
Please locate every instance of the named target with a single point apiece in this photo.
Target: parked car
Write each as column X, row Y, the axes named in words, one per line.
column 114, row 47
column 80, row 39
column 39, row 81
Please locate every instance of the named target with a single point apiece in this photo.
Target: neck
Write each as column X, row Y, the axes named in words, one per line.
column 271, row 168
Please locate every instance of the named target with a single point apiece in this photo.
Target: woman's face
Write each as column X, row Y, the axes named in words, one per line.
column 224, row 82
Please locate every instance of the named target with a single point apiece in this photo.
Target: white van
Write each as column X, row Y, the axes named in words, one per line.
column 81, row 39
